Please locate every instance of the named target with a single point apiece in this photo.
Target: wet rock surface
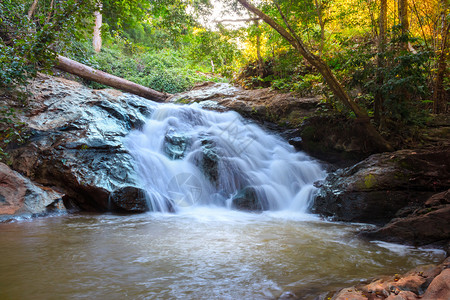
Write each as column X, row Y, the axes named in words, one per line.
column 129, row 199
column 247, row 200
column 19, row 196
column 383, row 186
column 76, row 142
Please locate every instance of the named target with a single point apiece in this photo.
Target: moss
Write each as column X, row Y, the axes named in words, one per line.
column 183, row 101
column 369, row 181
column 308, row 132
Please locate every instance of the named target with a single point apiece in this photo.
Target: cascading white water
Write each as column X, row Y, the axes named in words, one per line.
column 188, row 156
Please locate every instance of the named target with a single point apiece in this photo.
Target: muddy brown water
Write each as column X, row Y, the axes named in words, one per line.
column 200, row 253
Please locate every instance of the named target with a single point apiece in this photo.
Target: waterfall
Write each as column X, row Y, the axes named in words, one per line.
column 187, row 156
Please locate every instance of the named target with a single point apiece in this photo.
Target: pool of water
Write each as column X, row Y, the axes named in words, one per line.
column 199, row 253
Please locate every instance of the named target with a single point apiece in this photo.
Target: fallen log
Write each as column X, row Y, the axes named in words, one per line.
column 70, row 66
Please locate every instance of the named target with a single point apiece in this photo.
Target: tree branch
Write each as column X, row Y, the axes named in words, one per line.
column 32, row 9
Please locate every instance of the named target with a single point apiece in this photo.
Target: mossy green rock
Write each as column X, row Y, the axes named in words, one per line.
column 375, row 189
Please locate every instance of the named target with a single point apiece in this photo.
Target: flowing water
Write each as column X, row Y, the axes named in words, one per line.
column 194, row 162
column 198, row 157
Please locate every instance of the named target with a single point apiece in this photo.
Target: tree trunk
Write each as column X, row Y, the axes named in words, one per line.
column 258, row 50
column 322, row 25
column 439, row 93
column 327, row 74
column 381, row 48
column 76, row 68
column 97, row 38
column 404, row 23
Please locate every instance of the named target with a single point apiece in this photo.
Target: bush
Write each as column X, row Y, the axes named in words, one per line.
column 163, row 70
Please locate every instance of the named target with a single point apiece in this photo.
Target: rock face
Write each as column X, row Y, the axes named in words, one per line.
column 384, row 186
column 334, row 139
column 76, row 142
column 19, row 196
column 428, row 282
column 427, row 224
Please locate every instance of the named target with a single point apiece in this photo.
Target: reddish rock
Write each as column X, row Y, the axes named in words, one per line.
column 349, row 294
column 439, row 287
column 18, row 195
column 427, row 282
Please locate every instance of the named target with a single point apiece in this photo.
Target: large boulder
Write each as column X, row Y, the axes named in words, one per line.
column 77, row 140
column 383, row 186
column 19, row 196
column 129, row 199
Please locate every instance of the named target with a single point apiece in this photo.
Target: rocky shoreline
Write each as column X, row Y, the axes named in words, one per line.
column 75, row 159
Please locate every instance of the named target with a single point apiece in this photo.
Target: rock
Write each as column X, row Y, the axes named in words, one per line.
column 261, row 104
column 77, row 140
column 175, row 145
column 334, row 139
column 350, row 293
column 247, row 199
column 427, row 225
column 439, row 287
column 19, row 196
column 428, row 282
column 375, row 189
column 129, row 199
column 210, row 160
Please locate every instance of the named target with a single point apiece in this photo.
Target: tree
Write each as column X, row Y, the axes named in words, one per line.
column 73, row 67
column 97, row 38
column 440, row 94
column 291, row 36
column 381, row 48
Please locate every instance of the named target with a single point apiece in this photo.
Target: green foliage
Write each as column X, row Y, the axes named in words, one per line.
column 28, row 46
column 12, row 130
column 206, row 46
column 165, row 70
column 404, row 82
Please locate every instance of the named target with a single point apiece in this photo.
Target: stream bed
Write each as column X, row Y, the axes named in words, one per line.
column 198, row 253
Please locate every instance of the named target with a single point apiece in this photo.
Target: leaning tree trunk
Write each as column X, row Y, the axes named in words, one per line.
column 325, row 71
column 76, row 68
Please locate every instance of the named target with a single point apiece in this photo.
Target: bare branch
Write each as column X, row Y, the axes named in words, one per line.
column 236, row 20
